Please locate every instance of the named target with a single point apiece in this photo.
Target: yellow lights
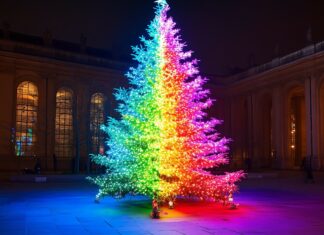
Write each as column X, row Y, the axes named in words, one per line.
column 97, row 99
column 292, row 131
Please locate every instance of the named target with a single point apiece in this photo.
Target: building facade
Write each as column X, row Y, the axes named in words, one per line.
column 274, row 113
column 53, row 100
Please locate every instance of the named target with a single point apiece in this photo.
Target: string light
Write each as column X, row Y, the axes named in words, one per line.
column 164, row 141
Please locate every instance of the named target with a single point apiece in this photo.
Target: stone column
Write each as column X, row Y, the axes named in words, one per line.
column 7, row 117
column 252, row 130
column 87, row 134
column 80, row 126
column 83, row 125
column 320, row 120
column 41, row 150
column 278, row 130
column 51, row 112
column 312, row 120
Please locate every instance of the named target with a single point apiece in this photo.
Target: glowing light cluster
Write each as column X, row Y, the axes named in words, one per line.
column 164, row 141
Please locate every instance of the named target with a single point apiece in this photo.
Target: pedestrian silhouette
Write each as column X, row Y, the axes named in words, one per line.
column 308, row 169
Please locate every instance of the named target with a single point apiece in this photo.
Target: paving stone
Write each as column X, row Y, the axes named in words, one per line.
column 267, row 206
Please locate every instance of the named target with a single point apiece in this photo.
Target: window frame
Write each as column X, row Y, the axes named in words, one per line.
column 96, row 119
column 64, row 123
column 26, row 114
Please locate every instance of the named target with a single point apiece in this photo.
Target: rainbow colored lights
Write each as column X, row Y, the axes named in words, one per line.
column 164, row 140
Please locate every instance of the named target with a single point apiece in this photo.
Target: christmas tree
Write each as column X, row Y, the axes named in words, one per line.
column 164, row 141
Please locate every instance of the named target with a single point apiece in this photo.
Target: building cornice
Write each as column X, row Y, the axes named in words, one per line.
column 49, row 65
column 297, row 65
column 279, row 61
column 60, row 55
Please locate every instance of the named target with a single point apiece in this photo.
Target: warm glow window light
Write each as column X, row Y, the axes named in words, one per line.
column 64, row 123
column 26, row 119
column 164, row 141
column 97, row 117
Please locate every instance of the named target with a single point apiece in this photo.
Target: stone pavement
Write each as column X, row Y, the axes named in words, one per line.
column 267, row 206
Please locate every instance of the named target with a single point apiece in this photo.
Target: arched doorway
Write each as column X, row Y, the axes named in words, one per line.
column 296, row 126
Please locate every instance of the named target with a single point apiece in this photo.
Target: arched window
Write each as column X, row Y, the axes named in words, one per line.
column 96, row 120
column 26, row 119
column 64, row 123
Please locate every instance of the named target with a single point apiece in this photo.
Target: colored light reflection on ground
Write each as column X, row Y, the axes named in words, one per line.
column 267, row 206
column 190, row 209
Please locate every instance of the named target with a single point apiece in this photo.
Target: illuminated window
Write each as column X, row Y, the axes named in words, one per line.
column 96, row 120
column 64, row 123
column 26, row 119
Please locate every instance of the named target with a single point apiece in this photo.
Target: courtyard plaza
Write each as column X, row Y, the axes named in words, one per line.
column 269, row 203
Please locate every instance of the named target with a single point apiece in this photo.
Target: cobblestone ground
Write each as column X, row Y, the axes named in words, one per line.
column 276, row 205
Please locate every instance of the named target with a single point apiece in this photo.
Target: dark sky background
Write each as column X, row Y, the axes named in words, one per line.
column 222, row 33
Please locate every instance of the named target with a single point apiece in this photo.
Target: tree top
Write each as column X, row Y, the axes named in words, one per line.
column 161, row 2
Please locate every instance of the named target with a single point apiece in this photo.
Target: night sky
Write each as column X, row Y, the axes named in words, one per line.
column 224, row 34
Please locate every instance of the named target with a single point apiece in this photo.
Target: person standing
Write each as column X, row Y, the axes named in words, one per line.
column 54, row 162
column 308, row 169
